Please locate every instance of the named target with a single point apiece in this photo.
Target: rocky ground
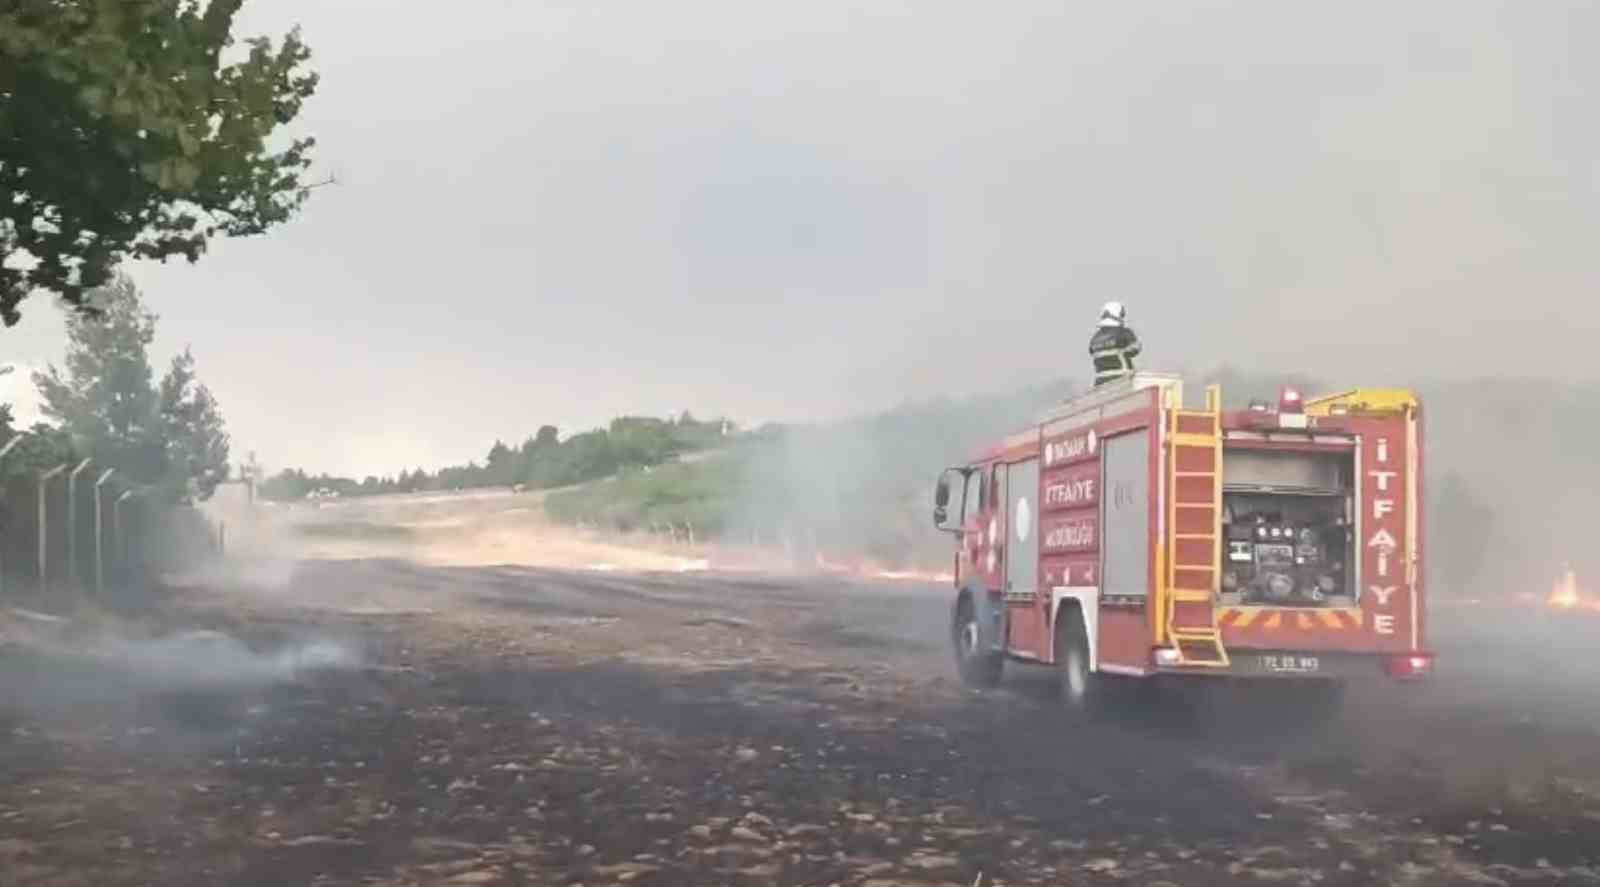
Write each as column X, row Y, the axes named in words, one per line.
column 382, row 722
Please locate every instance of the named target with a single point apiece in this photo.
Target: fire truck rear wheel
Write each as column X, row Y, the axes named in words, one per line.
column 978, row 667
column 1080, row 687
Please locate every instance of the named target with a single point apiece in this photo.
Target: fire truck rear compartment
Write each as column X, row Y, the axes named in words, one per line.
column 1287, row 528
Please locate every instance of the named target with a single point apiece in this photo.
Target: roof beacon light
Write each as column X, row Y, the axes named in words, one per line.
column 1289, row 401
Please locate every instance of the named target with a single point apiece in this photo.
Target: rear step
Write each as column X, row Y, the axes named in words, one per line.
column 1185, row 628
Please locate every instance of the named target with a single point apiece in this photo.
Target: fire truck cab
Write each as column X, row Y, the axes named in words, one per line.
column 1128, row 534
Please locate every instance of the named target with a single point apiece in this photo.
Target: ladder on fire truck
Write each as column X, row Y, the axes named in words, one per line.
column 1192, row 562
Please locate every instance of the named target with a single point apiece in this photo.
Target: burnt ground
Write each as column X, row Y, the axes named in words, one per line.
column 523, row 726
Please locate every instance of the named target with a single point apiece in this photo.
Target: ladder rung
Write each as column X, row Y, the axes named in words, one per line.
column 1194, row 535
column 1206, row 504
column 1194, row 474
column 1191, row 596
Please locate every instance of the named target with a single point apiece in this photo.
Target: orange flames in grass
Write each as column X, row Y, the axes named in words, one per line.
column 1565, row 594
column 868, row 570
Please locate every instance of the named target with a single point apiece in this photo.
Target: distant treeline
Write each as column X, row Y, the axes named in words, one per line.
column 544, row 460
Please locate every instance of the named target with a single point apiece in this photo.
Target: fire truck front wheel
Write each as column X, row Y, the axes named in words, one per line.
column 979, row 666
column 1080, row 686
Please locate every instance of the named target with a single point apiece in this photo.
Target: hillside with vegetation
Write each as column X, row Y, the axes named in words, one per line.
column 853, row 488
column 543, row 461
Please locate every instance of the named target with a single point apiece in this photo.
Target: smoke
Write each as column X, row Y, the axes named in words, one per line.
column 1516, row 457
column 862, row 488
column 1510, row 479
column 213, row 660
column 49, row 662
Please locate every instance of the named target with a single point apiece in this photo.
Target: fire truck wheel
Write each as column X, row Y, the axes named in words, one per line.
column 978, row 667
column 1080, row 687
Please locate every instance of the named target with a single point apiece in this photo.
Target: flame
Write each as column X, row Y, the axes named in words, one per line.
column 1565, row 594
column 868, row 570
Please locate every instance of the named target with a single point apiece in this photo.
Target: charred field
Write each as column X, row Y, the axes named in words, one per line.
column 499, row 725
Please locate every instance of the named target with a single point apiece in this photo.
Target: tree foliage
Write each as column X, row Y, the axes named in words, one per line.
column 104, row 397
column 41, row 449
column 124, row 134
column 196, row 442
column 168, row 437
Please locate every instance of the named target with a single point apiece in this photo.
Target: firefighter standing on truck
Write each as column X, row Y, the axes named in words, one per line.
column 1113, row 346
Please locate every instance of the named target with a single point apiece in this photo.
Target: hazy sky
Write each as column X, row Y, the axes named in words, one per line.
column 557, row 212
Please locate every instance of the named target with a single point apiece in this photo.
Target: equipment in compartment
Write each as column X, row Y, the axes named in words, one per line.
column 1286, row 550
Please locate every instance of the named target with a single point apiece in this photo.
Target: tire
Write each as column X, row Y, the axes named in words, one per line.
column 1082, row 690
column 979, row 668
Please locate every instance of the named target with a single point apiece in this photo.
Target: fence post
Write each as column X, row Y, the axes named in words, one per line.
column 119, row 539
column 72, row 527
column 44, row 525
column 4, row 451
column 99, row 557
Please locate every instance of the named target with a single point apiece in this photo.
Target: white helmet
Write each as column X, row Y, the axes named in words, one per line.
column 1113, row 314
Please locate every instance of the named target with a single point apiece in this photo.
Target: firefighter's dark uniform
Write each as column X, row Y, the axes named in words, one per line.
column 1113, row 349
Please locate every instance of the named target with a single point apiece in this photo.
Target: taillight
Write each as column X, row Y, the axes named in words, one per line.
column 1409, row 666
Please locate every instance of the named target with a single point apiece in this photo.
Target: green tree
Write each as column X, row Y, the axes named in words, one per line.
column 192, row 432
column 41, row 449
column 171, row 437
column 290, row 483
column 501, row 464
column 123, row 134
column 104, row 399
column 639, row 440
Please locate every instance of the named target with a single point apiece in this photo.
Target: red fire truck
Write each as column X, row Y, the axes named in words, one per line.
column 1126, row 534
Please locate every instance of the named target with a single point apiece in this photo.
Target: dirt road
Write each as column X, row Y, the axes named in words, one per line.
column 484, row 725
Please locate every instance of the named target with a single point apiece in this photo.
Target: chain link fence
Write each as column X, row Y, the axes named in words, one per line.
column 66, row 537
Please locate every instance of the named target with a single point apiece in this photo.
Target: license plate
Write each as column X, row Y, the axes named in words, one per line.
column 1286, row 664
